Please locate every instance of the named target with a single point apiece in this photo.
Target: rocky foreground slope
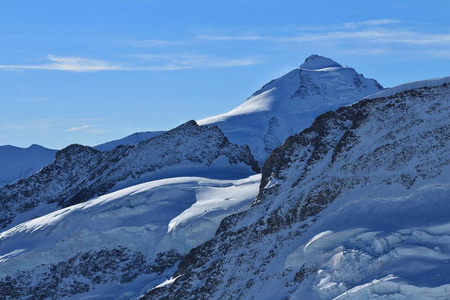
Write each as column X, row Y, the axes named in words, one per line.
column 353, row 207
column 80, row 173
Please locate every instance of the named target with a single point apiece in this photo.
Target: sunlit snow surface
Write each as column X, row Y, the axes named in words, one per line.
column 162, row 215
column 409, row 86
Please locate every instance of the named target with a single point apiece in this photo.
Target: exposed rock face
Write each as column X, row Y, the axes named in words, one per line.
column 288, row 104
column 80, row 273
column 79, row 173
column 308, row 234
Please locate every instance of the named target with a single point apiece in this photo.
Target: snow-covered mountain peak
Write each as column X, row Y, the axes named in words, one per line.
column 288, row 104
column 317, row 62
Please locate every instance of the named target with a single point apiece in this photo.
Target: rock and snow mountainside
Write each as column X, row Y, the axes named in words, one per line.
column 17, row 163
column 354, row 207
column 287, row 105
column 119, row 245
column 80, row 173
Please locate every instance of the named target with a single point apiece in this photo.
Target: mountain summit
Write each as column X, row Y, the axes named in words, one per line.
column 287, row 105
column 317, row 62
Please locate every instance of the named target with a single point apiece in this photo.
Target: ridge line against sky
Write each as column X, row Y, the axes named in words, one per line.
column 93, row 71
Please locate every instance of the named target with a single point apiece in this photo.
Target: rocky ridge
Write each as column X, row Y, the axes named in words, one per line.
column 332, row 180
column 79, row 173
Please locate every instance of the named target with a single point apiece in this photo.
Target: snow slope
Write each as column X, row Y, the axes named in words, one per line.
column 410, row 86
column 118, row 244
column 128, row 140
column 17, row 163
column 353, row 207
column 287, row 105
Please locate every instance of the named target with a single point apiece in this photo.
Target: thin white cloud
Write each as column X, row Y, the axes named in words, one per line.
column 70, row 63
column 380, row 31
column 373, row 36
column 193, row 61
column 162, row 63
column 351, row 25
column 385, row 36
column 78, row 128
column 294, row 31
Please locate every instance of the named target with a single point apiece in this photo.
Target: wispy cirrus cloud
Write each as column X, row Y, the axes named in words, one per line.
column 303, row 33
column 92, row 129
column 368, row 35
column 351, row 25
column 69, row 63
column 78, row 128
column 193, row 61
column 150, row 62
column 371, row 37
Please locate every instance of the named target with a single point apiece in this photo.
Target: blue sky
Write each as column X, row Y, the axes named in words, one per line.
column 90, row 71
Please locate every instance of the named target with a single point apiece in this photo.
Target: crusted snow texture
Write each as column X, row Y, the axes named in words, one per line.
column 118, row 245
column 287, row 105
column 361, row 194
column 79, row 173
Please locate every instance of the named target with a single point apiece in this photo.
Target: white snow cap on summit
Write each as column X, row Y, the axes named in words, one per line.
column 317, row 62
